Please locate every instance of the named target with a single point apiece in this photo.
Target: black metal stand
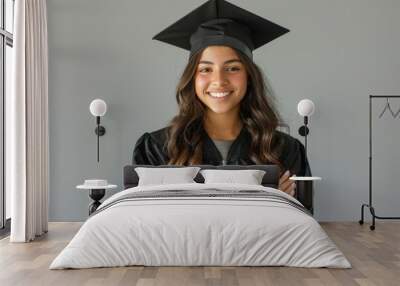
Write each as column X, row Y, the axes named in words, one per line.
column 305, row 194
column 369, row 205
column 304, row 189
column 96, row 195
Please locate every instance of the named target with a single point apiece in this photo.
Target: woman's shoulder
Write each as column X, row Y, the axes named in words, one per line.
column 158, row 136
column 288, row 144
column 292, row 155
column 286, row 139
column 150, row 148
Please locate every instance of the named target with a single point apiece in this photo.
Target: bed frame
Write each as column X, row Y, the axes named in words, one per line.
column 270, row 179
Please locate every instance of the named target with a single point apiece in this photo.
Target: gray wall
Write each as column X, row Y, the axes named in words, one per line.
column 337, row 53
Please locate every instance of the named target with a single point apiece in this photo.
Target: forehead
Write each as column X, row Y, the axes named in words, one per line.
column 218, row 54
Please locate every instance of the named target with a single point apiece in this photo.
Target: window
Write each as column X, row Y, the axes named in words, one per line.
column 6, row 44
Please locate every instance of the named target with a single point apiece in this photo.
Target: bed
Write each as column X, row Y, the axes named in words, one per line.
column 201, row 224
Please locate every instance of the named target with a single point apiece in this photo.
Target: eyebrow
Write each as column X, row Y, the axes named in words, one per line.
column 226, row 62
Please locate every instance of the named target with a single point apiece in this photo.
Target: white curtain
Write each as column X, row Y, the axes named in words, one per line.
column 27, row 142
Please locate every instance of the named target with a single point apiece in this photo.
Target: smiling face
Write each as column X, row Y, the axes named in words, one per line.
column 220, row 80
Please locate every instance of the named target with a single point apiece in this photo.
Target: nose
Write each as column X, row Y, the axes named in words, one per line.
column 219, row 78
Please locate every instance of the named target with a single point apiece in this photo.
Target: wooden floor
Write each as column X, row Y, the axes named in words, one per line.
column 374, row 255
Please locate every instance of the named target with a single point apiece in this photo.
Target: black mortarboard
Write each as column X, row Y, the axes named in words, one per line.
column 218, row 22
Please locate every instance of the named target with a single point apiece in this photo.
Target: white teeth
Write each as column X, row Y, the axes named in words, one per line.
column 218, row 94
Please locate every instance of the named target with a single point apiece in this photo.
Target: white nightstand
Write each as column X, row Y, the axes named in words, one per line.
column 295, row 178
column 97, row 190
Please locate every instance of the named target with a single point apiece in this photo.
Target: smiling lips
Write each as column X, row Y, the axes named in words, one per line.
column 219, row 94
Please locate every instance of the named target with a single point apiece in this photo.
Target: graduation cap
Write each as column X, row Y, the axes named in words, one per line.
column 218, row 22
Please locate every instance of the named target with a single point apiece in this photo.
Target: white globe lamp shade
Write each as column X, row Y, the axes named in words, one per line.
column 305, row 107
column 98, row 107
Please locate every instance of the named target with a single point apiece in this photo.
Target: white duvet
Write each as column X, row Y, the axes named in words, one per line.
column 200, row 231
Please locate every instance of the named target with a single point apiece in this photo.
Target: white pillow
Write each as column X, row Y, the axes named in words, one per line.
column 162, row 176
column 248, row 177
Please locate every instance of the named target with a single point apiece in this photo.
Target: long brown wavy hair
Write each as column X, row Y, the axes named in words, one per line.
column 257, row 113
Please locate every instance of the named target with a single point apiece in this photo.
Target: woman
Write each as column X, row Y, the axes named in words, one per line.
column 225, row 116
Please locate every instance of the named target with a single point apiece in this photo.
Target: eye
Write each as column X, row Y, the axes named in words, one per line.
column 233, row 68
column 204, row 70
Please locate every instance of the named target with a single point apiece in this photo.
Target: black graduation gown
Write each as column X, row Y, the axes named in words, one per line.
column 149, row 150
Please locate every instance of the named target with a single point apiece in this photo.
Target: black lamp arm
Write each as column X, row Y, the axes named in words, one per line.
column 303, row 131
column 100, row 131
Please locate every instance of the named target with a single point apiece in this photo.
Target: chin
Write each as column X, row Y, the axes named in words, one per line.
column 219, row 110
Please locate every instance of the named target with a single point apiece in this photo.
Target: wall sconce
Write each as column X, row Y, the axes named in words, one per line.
column 305, row 108
column 98, row 108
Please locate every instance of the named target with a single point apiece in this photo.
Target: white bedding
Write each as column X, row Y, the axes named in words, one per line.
column 182, row 231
